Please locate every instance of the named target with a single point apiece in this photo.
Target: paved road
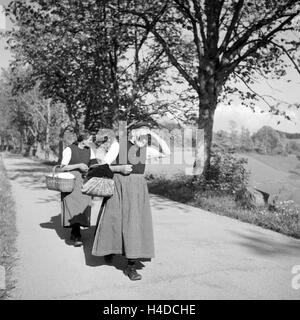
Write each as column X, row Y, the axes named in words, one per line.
column 199, row 255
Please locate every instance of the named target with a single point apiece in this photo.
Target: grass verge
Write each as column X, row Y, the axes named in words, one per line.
column 8, row 231
column 285, row 218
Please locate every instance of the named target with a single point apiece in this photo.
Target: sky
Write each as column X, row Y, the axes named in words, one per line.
column 5, row 55
column 283, row 90
column 279, row 89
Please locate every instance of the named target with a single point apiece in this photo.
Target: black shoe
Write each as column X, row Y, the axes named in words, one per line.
column 131, row 272
column 77, row 240
column 108, row 258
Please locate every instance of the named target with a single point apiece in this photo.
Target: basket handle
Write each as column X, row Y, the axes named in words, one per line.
column 54, row 170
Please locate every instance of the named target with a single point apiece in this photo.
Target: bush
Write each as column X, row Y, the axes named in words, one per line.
column 179, row 188
column 226, row 175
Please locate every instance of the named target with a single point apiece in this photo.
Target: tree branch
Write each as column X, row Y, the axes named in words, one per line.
column 240, row 43
column 288, row 55
column 201, row 23
column 254, row 92
column 235, row 17
column 187, row 12
column 175, row 62
column 260, row 42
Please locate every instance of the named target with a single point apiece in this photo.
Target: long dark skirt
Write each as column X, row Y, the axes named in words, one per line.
column 125, row 226
column 76, row 207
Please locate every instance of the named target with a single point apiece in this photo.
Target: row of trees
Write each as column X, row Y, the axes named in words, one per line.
column 30, row 123
column 265, row 141
column 100, row 62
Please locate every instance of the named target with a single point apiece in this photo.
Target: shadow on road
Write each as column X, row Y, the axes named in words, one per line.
column 162, row 203
column 33, row 178
column 119, row 262
column 266, row 246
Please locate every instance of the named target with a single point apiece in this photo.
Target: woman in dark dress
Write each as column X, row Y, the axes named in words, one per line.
column 76, row 206
column 125, row 227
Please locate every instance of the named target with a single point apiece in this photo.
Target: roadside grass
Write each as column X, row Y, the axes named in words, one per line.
column 8, row 231
column 285, row 218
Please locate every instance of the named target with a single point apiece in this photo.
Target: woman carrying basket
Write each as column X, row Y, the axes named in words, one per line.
column 125, row 227
column 76, row 206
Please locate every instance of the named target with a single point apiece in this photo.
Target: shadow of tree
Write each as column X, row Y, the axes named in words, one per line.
column 50, row 198
column 162, row 203
column 295, row 174
column 32, row 178
column 265, row 245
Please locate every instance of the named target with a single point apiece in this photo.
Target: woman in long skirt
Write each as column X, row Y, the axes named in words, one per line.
column 76, row 206
column 125, row 226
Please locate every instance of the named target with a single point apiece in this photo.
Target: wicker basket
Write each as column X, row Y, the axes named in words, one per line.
column 99, row 187
column 57, row 182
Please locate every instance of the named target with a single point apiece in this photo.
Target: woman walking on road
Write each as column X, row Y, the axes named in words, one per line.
column 125, row 226
column 76, row 206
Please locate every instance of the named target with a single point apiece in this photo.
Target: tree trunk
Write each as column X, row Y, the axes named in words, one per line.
column 208, row 137
column 203, row 146
column 61, row 143
column 208, row 98
column 47, row 134
column 62, row 131
column 7, row 143
column 21, row 145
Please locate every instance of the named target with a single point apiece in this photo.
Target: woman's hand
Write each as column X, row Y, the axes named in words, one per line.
column 126, row 169
column 83, row 167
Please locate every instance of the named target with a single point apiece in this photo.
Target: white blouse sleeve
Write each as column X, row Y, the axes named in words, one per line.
column 66, row 156
column 93, row 156
column 112, row 153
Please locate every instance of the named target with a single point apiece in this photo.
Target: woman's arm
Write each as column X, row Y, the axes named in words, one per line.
column 111, row 156
column 93, row 159
column 153, row 152
column 112, row 153
column 123, row 168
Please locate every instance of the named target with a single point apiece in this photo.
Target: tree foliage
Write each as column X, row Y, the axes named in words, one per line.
column 103, row 59
column 29, row 121
column 85, row 55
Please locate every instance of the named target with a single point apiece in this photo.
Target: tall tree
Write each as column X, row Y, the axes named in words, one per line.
column 213, row 43
column 246, row 143
column 233, row 133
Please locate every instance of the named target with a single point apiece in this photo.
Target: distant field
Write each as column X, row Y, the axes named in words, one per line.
column 272, row 174
column 289, row 164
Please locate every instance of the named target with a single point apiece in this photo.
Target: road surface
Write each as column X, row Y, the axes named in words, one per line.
column 199, row 255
